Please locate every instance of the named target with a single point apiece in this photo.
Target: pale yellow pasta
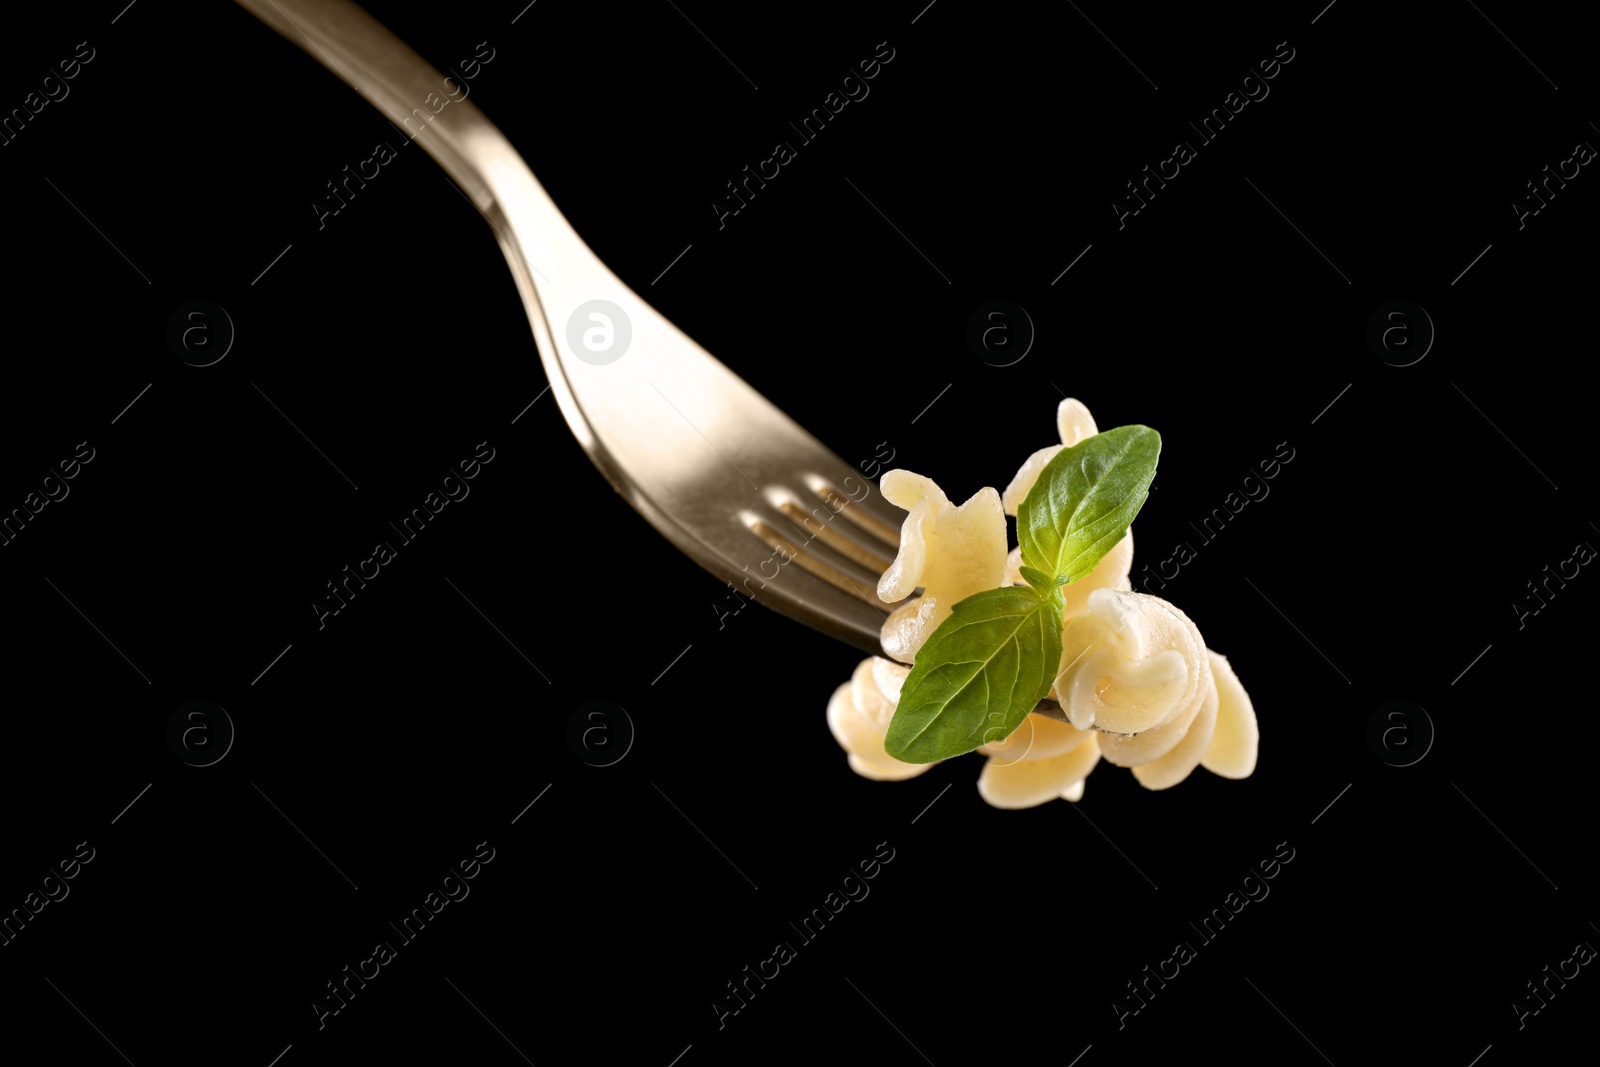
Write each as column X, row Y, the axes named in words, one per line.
column 1136, row 682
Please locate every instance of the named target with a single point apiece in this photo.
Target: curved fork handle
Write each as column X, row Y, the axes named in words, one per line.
column 531, row 230
column 393, row 78
column 473, row 152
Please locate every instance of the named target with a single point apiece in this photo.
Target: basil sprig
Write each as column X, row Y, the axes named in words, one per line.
column 994, row 658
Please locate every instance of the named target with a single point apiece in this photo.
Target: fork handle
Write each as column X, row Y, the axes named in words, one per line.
column 392, row 78
column 472, row 151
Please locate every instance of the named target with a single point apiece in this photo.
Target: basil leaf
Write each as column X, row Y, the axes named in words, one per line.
column 1085, row 499
column 978, row 675
column 1039, row 580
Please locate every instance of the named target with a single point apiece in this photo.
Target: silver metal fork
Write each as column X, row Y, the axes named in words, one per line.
column 733, row 482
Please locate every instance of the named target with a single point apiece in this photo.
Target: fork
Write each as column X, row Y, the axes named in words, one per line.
column 716, row 468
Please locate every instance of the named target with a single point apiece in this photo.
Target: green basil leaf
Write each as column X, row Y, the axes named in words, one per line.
column 1039, row 580
column 1085, row 499
column 978, row 675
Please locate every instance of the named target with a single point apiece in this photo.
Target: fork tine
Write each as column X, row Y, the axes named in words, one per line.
column 871, row 514
column 829, row 566
column 829, row 546
column 869, row 556
column 815, row 594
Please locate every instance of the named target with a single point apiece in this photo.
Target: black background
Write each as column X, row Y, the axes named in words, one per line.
column 428, row 714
